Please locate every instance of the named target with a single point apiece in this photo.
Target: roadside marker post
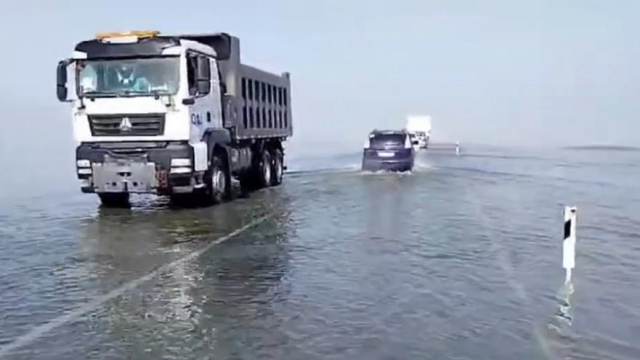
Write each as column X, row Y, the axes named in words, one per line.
column 569, row 242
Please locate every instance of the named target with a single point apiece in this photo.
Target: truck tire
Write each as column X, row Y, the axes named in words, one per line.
column 114, row 200
column 217, row 180
column 264, row 170
column 277, row 167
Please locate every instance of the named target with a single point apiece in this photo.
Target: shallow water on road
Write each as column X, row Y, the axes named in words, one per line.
column 458, row 259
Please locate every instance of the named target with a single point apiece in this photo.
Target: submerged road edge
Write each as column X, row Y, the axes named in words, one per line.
column 73, row 315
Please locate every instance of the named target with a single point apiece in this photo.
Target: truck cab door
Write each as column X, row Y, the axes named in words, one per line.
column 204, row 88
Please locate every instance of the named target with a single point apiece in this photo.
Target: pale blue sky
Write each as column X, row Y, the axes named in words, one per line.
column 537, row 73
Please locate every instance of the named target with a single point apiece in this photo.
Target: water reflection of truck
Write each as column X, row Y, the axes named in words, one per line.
column 173, row 115
column 419, row 129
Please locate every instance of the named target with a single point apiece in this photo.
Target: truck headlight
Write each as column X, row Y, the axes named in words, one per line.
column 180, row 170
column 180, row 162
column 83, row 163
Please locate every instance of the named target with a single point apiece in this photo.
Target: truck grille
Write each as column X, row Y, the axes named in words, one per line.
column 127, row 125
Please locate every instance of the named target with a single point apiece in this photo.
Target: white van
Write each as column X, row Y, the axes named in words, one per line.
column 419, row 128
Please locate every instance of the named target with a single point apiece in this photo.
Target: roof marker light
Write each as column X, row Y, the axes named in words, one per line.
column 126, row 37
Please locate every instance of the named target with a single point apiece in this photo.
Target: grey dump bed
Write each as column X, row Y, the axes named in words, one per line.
column 257, row 103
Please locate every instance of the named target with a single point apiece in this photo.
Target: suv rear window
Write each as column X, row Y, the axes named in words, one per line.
column 381, row 141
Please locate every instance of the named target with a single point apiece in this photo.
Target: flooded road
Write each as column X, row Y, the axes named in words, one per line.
column 459, row 259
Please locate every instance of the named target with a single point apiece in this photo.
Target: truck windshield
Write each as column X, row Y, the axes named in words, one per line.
column 128, row 77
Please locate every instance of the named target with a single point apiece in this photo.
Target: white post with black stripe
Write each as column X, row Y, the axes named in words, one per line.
column 569, row 242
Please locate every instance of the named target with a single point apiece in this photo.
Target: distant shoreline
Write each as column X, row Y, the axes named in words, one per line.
column 603, row 148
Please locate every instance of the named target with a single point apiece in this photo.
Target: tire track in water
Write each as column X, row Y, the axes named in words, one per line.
column 41, row 330
column 556, row 335
column 561, row 322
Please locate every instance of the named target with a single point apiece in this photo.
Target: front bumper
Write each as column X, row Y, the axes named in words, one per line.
column 136, row 167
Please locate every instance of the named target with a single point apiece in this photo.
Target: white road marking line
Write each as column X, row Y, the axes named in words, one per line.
column 73, row 315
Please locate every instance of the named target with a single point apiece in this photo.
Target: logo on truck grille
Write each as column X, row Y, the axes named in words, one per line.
column 125, row 124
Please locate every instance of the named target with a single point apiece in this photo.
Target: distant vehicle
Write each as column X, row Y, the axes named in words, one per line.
column 175, row 115
column 419, row 129
column 389, row 150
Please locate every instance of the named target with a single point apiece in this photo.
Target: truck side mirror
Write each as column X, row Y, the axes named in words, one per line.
column 61, row 88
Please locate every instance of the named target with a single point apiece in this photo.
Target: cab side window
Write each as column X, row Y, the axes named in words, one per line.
column 192, row 64
column 204, row 75
column 198, row 75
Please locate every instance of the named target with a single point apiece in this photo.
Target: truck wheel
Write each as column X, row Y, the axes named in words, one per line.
column 120, row 200
column 264, row 174
column 277, row 167
column 216, row 180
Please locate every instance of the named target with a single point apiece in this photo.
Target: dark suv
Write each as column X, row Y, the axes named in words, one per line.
column 388, row 150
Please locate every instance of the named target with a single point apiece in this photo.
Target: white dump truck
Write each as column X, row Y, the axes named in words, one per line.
column 175, row 115
column 419, row 128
